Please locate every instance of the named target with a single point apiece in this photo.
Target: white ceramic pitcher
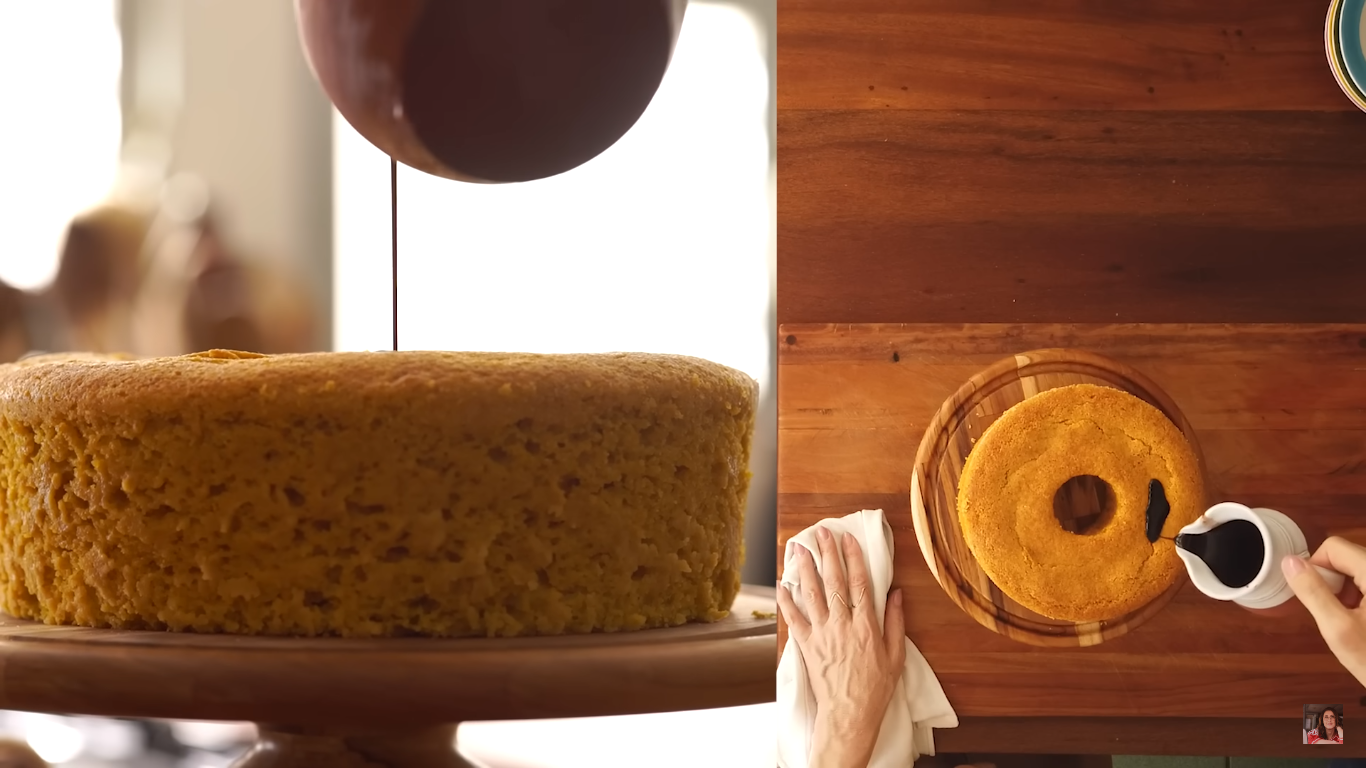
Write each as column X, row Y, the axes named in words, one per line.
column 1280, row 537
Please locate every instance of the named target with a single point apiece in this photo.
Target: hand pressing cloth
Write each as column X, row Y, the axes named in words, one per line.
column 918, row 705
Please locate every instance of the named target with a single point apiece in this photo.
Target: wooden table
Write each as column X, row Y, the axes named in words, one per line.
column 1065, row 160
column 968, row 161
column 1280, row 414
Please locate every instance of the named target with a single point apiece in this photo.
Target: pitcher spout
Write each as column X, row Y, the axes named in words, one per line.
column 1202, row 524
column 1202, row 577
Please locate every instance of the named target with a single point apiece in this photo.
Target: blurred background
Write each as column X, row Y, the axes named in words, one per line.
column 174, row 180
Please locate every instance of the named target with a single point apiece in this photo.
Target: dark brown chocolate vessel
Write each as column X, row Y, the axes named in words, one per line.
column 483, row 91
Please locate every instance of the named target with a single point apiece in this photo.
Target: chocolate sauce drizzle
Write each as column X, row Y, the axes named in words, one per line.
column 1158, row 509
column 393, row 224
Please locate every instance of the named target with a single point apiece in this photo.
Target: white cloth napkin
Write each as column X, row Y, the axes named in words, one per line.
column 918, row 705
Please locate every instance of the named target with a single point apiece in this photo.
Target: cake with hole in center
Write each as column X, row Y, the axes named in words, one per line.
column 373, row 494
column 1008, row 491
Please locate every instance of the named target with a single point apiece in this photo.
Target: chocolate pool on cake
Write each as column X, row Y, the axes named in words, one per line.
column 373, row 494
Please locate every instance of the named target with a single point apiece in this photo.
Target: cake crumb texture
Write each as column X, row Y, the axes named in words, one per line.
column 373, row 494
column 1005, row 501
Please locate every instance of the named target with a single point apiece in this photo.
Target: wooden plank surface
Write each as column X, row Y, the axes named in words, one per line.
column 1071, row 216
column 1054, row 54
column 1066, row 161
column 1281, row 416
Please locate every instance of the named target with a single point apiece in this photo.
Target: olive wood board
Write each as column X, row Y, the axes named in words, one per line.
column 957, row 425
column 1279, row 411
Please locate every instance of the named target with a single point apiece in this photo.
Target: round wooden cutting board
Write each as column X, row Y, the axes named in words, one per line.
column 961, row 420
column 386, row 702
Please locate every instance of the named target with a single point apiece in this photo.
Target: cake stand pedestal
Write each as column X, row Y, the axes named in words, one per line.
column 394, row 703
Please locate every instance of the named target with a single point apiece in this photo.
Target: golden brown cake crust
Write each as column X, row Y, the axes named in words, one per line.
column 367, row 494
column 1005, row 501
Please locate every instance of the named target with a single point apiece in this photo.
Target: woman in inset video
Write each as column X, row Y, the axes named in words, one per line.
column 1328, row 732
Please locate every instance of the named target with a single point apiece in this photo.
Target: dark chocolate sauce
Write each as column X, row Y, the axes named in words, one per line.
column 1234, row 551
column 393, row 233
column 1158, row 509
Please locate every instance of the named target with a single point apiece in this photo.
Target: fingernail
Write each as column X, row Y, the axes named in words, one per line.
column 896, row 597
column 823, row 532
column 1291, row 566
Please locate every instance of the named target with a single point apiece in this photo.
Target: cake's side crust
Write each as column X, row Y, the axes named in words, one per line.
column 373, row 494
column 1005, row 501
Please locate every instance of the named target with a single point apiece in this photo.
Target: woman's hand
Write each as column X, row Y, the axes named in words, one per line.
column 853, row 665
column 1341, row 620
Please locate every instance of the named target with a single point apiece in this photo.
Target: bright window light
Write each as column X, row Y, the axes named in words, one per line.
column 660, row 244
column 59, row 71
column 53, row 738
column 737, row 737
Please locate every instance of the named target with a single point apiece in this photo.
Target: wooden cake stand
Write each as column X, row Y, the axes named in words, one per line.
column 339, row 703
column 944, row 450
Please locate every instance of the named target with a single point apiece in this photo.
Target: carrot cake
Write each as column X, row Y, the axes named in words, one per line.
column 373, row 494
column 1006, row 501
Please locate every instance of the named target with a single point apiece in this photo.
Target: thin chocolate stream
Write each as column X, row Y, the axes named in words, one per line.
column 393, row 225
column 1158, row 509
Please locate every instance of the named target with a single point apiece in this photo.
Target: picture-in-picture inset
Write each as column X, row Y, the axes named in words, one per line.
column 1323, row 724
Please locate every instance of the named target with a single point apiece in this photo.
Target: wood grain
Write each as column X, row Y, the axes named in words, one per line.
column 944, row 161
column 965, row 161
column 964, row 417
column 1280, row 413
column 915, row 216
column 1054, row 54
column 382, row 684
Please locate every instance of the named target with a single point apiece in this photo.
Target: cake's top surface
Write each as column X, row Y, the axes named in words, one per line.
column 1007, row 489
column 112, row 383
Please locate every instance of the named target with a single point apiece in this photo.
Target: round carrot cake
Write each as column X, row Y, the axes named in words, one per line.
column 373, row 494
column 1006, row 501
